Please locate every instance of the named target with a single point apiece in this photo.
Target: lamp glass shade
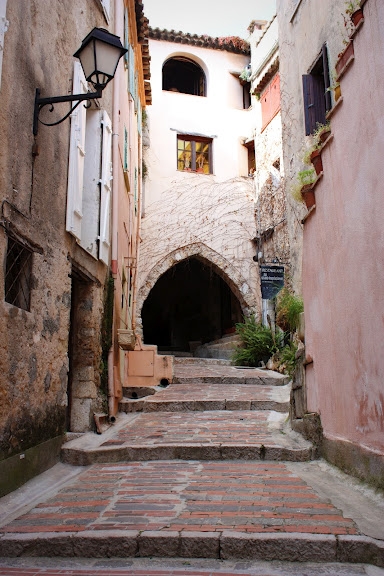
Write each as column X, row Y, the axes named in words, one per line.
column 99, row 55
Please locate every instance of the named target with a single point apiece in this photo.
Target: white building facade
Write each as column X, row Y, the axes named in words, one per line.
column 198, row 220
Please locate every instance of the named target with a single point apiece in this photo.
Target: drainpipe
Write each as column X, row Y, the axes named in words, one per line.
column 138, row 227
column 115, row 207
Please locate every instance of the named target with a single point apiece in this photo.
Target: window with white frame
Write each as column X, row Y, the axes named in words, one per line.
column 89, row 175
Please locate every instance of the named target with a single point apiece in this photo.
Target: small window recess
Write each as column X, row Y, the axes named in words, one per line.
column 276, row 164
column 250, row 145
column 185, row 76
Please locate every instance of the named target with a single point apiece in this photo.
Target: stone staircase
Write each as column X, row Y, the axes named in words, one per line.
column 205, row 468
column 211, row 411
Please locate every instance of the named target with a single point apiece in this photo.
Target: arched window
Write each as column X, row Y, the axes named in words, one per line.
column 183, row 75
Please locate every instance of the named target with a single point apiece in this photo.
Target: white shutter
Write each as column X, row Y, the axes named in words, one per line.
column 76, row 157
column 106, row 4
column 106, row 184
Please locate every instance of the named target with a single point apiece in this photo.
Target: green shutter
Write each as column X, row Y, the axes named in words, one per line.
column 125, row 149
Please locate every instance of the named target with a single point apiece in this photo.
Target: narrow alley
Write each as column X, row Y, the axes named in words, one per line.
column 191, row 288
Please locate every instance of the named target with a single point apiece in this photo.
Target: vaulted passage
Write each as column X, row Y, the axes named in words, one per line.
column 189, row 303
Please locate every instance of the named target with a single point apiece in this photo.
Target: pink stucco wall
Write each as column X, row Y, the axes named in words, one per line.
column 343, row 258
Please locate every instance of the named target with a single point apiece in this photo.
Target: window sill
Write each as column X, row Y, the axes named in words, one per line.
column 357, row 28
column 295, row 11
column 333, row 110
column 308, row 214
column 195, row 172
column 345, row 60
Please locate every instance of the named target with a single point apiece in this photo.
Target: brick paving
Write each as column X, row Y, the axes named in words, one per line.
column 153, row 569
column 176, row 480
column 186, row 496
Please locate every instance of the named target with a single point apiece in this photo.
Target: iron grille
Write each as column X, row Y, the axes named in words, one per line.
column 18, row 275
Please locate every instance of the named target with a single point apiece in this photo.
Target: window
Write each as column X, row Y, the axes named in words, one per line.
column 317, row 98
column 194, row 154
column 183, row 75
column 250, row 145
column 18, row 275
column 270, row 101
column 89, row 175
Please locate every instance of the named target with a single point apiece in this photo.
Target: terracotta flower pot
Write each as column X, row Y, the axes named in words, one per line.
column 317, row 161
column 337, row 92
column 308, row 195
column 357, row 16
column 344, row 57
column 324, row 136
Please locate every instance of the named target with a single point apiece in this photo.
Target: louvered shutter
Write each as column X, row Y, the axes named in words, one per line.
column 131, row 71
column 139, row 118
column 76, row 157
column 106, row 189
column 314, row 101
column 126, row 36
column 309, row 103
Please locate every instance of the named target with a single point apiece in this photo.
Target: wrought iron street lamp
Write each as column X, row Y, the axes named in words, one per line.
column 99, row 56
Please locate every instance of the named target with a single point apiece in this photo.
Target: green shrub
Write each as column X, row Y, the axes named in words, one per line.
column 288, row 310
column 287, row 358
column 258, row 343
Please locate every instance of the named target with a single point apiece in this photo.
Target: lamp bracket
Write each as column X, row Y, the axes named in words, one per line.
column 40, row 103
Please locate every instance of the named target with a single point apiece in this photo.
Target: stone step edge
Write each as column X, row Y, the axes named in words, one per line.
column 266, row 381
column 225, row 545
column 128, row 405
column 190, row 451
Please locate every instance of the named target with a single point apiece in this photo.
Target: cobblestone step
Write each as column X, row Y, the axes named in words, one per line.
column 208, row 435
column 200, row 373
column 184, row 397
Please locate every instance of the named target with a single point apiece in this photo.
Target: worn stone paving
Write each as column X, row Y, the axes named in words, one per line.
column 224, row 484
column 200, row 373
column 186, row 496
column 208, row 435
column 184, row 397
column 156, row 567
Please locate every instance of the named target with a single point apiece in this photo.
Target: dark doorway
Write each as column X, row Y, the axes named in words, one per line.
column 189, row 303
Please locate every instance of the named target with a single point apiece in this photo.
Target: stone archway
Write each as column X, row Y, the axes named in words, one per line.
column 236, row 282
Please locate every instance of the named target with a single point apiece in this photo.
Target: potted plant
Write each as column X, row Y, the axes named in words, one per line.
column 322, row 132
column 344, row 58
column 354, row 11
column 302, row 190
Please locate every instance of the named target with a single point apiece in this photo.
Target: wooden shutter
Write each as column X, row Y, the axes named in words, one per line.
column 327, row 80
column 106, row 189
column 76, row 157
column 314, row 101
column 131, row 71
column 125, row 157
column 309, row 103
column 106, row 4
column 126, row 36
column 139, row 117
